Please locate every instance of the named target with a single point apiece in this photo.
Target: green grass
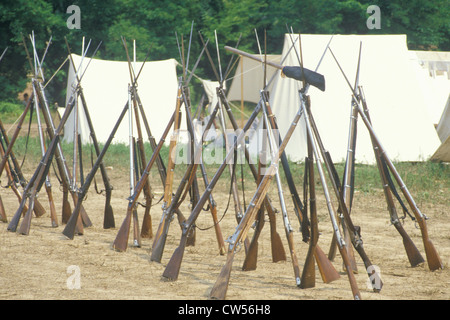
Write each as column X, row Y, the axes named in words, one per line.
column 427, row 181
column 10, row 111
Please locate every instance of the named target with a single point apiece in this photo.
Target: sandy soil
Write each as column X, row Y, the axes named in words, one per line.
column 37, row 266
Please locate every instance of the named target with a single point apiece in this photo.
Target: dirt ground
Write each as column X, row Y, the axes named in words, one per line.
column 38, row 266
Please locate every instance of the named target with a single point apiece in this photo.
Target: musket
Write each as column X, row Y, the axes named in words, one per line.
column 341, row 243
column 220, row 287
column 108, row 219
column 433, row 258
column 354, row 232
column 311, row 77
column 134, row 175
column 250, row 258
column 43, row 167
column 37, row 179
column 59, row 156
column 121, row 240
column 348, row 177
column 146, row 231
column 252, row 251
column 39, row 210
column 171, row 162
column 287, row 225
column 73, row 223
column 326, row 268
column 211, row 202
column 220, row 79
column 69, row 230
column 168, row 212
column 213, row 209
column 234, row 189
column 11, row 183
column 278, row 252
column 413, row 254
column 168, row 207
column 193, row 183
column 159, row 162
column 185, row 184
column 172, row 269
column 48, row 186
column 308, row 279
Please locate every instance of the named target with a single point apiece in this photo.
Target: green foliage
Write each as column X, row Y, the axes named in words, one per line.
column 153, row 25
column 10, row 111
column 8, row 107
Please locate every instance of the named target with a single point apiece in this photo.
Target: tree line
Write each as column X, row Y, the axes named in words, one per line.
column 153, row 24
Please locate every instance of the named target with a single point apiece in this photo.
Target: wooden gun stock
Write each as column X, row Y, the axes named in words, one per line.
column 433, row 259
column 173, row 267
column 278, row 252
column 220, row 288
column 108, row 219
column 53, row 217
column 3, row 217
column 66, row 208
column 413, row 254
column 251, row 256
column 326, row 268
column 163, row 229
column 69, row 230
column 221, row 285
column 121, row 241
column 30, row 191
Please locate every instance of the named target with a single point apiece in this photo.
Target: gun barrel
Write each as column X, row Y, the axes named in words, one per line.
column 254, row 57
column 296, row 72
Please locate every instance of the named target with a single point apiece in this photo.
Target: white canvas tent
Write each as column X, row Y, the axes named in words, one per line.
column 443, row 129
column 248, row 78
column 433, row 71
column 105, row 87
column 395, row 101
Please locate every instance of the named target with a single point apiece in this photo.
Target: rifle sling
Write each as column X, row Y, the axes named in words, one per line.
column 393, row 189
column 80, row 156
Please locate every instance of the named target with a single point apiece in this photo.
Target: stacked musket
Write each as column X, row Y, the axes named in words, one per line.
column 74, row 219
column 48, row 152
column 346, row 235
column 121, row 241
column 68, row 178
column 172, row 269
column 171, row 200
column 132, row 101
column 386, row 168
